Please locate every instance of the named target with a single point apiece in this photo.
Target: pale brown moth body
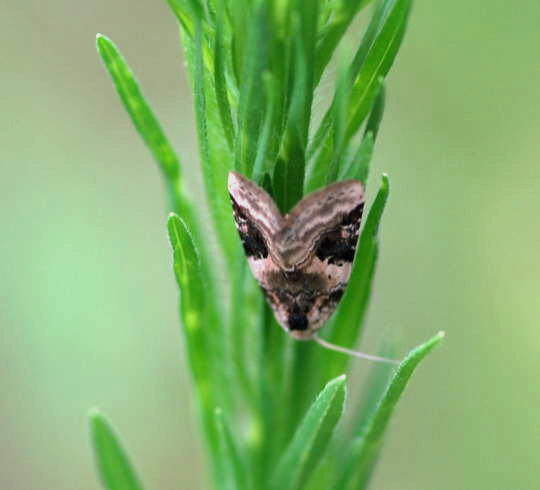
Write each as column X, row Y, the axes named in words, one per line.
column 302, row 260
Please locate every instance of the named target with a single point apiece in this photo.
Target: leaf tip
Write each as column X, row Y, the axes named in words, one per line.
column 94, row 414
column 338, row 381
column 437, row 338
column 385, row 182
column 102, row 41
column 173, row 220
column 98, row 422
column 422, row 350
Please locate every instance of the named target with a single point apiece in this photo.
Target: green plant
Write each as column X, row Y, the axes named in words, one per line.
column 271, row 408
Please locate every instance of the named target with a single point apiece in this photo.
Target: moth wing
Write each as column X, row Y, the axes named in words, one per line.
column 326, row 224
column 255, row 209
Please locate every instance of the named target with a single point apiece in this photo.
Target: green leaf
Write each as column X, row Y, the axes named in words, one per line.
column 201, row 350
column 333, row 32
column 113, row 465
column 184, row 10
column 271, row 419
column 188, row 272
column 216, row 159
column 200, row 98
column 377, row 111
column 220, row 70
column 233, row 472
column 374, row 387
column 251, row 104
column 326, row 155
column 149, row 128
column 311, row 438
column 237, row 331
column 378, row 62
column 357, row 166
column 290, row 169
column 369, row 36
column 141, row 114
column 366, row 448
column 267, row 148
column 339, row 111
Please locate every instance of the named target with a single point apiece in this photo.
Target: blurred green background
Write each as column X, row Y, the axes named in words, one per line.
column 88, row 309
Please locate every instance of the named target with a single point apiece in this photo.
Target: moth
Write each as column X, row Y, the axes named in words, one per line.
column 301, row 260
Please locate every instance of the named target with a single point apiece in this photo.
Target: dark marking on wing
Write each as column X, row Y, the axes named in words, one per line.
column 336, row 295
column 334, row 248
column 354, row 217
column 252, row 239
column 338, row 245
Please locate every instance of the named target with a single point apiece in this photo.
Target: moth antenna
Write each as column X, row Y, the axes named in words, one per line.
column 343, row 350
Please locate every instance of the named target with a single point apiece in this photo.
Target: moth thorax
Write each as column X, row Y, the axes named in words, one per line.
column 292, row 275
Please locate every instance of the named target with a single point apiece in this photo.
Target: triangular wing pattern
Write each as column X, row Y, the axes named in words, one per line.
column 303, row 260
column 327, row 222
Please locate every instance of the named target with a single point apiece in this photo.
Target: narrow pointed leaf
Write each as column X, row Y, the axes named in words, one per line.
column 367, row 446
column 149, row 128
column 113, row 465
column 378, row 62
column 311, row 438
column 369, row 36
column 135, row 103
column 192, row 312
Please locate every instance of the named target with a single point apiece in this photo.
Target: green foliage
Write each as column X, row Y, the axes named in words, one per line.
column 365, row 448
column 270, row 416
column 311, row 439
column 114, row 468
